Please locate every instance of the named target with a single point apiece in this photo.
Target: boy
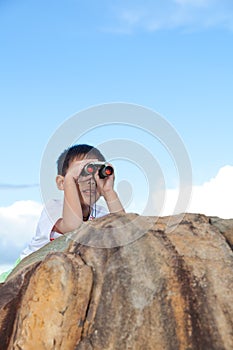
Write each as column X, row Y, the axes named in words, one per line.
column 80, row 195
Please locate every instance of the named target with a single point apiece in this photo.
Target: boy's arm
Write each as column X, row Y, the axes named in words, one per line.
column 106, row 189
column 113, row 202
column 72, row 216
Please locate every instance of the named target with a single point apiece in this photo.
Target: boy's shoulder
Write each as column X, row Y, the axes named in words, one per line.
column 52, row 208
column 53, row 204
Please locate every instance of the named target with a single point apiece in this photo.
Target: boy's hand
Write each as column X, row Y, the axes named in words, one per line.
column 105, row 186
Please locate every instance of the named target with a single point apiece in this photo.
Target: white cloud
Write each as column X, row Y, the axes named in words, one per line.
column 5, row 267
column 153, row 15
column 197, row 3
column 213, row 198
column 17, row 226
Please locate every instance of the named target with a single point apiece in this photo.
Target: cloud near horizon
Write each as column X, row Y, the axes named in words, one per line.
column 17, row 225
column 213, row 198
column 18, row 221
column 4, row 186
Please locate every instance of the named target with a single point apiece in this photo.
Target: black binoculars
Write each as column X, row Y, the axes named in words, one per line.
column 104, row 170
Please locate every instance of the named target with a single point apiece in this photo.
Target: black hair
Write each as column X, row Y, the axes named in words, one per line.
column 76, row 151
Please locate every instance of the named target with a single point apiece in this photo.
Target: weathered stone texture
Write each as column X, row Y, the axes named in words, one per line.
column 154, row 289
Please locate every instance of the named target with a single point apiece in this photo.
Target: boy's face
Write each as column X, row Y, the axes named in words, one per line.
column 86, row 185
column 87, row 189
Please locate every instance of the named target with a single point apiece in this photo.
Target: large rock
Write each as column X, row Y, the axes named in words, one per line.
column 125, row 282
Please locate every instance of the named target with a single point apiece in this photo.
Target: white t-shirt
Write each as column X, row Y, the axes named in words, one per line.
column 49, row 216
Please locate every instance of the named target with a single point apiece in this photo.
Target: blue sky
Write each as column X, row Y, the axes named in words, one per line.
column 60, row 57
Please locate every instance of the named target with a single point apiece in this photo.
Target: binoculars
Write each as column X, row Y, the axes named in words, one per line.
column 103, row 169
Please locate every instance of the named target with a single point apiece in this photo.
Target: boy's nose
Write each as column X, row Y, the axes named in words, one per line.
column 91, row 181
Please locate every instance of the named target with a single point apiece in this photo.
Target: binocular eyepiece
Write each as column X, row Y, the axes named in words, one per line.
column 104, row 170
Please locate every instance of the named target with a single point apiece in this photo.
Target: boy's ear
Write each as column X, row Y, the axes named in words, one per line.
column 60, row 182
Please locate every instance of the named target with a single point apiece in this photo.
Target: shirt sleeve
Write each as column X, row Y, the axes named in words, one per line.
column 49, row 216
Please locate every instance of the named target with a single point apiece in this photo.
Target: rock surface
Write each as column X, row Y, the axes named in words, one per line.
column 125, row 282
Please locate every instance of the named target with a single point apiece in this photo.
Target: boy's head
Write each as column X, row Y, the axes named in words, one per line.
column 76, row 152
